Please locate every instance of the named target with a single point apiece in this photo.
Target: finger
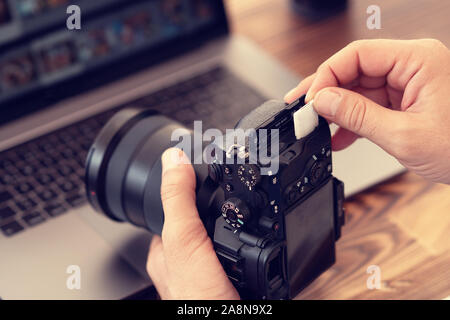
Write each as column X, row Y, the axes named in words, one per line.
column 395, row 97
column 300, row 89
column 371, row 58
column 358, row 114
column 182, row 224
column 178, row 187
column 342, row 139
column 371, row 82
column 156, row 267
column 188, row 251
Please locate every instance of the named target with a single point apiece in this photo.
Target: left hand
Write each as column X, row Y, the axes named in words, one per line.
column 182, row 262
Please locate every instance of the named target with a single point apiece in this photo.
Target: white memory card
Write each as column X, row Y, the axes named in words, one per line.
column 306, row 120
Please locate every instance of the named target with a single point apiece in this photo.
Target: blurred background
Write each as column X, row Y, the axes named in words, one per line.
column 303, row 43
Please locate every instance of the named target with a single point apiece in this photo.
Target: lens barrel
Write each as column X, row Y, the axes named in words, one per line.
column 123, row 167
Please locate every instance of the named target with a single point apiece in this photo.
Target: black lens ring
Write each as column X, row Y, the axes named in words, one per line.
column 120, row 160
column 101, row 151
column 145, row 164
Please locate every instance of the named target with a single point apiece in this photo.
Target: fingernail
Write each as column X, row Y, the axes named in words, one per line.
column 290, row 95
column 172, row 158
column 326, row 102
column 308, row 96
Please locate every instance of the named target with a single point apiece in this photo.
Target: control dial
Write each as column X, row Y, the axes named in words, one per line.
column 249, row 175
column 235, row 212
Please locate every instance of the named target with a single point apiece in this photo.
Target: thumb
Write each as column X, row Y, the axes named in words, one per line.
column 358, row 114
column 183, row 230
column 177, row 187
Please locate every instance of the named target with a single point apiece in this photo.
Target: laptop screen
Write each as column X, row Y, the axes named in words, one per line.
column 42, row 61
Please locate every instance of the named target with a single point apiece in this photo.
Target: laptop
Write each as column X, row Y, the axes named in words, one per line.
column 58, row 87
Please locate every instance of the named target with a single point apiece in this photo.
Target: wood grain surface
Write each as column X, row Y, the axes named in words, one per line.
column 401, row 225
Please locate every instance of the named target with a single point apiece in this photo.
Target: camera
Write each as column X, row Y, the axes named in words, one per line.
column 274, row 231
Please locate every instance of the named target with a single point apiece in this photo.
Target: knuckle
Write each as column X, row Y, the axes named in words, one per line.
column 435, row 43
column 173, row 189
column 356, row 44
column 170, row 191
column 355, row 115
column 323, row 67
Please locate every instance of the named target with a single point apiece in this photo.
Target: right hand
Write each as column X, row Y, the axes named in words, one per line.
column 395, row 93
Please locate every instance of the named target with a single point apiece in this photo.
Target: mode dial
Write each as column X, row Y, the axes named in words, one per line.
column 235, row 212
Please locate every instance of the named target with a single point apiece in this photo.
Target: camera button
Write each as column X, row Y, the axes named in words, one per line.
column 292, row 196
column 227, row 170
column 275, row 209
column 261, row 199
column 289, row 155
column 274, row 206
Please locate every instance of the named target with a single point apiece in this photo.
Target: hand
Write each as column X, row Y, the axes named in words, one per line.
column 395, row 93
column 182, row 262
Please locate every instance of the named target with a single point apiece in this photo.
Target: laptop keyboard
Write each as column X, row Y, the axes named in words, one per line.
column 44, row 178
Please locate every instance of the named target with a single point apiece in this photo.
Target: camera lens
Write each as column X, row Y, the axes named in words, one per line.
column 123, row 168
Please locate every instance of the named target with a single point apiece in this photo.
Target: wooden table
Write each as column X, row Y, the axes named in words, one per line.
column 402, row 225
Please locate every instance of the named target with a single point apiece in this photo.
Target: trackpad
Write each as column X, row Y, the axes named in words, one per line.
column 132, row 243
column 37, row 263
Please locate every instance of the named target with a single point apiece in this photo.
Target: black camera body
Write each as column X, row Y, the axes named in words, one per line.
column 274, row 232
column 277, row 232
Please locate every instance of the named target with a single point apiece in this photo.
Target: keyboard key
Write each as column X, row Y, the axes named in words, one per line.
column 44, row 179
column 66, row 137
column 47, row 161
column 86, row 130
column 4, row 163
column 65, row 170
column 47, row 195
column 68, row 153
column 27, row 170
column 24, row 187
column 81, row 172
column 5, row 196
column 76, row 200
column 67, row 186
column 55, row 209
column 6, row 213
column 46, row 146
column 25, row 204
column 9, row 179
column 33, row 218
column 11, row 228
column 26, row 154
column 86, row 145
